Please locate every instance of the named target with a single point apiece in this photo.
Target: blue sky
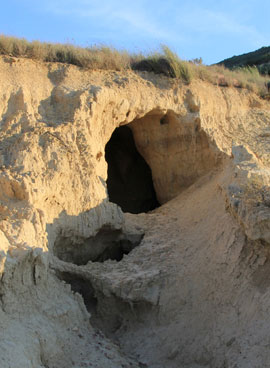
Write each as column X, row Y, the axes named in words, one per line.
column 211, row 29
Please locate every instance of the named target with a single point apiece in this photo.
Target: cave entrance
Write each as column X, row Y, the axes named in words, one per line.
column 129, row 182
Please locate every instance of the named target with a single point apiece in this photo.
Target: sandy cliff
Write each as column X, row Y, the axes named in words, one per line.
column 84, row 284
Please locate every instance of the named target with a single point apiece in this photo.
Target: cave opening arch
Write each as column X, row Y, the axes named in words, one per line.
column 129, row 179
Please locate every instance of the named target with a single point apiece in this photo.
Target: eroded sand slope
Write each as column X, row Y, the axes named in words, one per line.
column 84, row 285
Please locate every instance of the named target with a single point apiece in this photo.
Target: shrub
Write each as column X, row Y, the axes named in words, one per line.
column 180, row 68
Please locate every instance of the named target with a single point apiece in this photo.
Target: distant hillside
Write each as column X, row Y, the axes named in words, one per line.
column 260, row 58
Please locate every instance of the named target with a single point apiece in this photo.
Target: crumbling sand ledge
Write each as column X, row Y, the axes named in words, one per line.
column 194, row 292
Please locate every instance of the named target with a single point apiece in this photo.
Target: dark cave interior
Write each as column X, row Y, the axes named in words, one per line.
column 129, row 182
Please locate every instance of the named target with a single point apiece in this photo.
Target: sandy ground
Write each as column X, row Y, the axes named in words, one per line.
column 194, row 287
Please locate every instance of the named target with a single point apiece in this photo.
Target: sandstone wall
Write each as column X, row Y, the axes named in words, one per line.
column 57, row 119
column 55, row 123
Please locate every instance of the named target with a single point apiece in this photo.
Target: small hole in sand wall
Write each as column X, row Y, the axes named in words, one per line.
column 107, row 244
column 164, row 120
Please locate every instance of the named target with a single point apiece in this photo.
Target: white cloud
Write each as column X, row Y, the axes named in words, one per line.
column 139, row 22
column 163, row 22
column 210, row 22
column 107, row 12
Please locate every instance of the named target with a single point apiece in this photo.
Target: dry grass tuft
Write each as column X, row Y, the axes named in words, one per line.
column 165, row 62
column 91, row 58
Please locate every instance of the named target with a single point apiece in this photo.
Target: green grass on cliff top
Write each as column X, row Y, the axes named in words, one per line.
column 165, row 62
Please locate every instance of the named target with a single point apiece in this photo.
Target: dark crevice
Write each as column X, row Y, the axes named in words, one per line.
column 83, row 287
column 107, row 244
column 110, row 314
column 165, row 120
column 129, row 182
